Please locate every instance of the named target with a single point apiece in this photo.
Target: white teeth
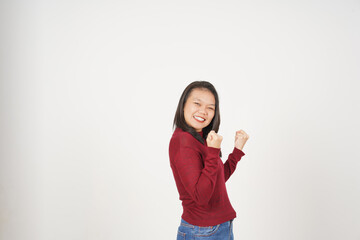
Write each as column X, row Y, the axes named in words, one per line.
column 199, row 118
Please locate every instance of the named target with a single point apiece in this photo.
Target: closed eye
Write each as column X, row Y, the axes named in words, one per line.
column 208, row 108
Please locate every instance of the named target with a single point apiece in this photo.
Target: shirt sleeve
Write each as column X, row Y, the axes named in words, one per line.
column 231, row 162
column 198, row 176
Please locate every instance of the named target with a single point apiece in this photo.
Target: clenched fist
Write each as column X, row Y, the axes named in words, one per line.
column 213, row 139
column 240, row 139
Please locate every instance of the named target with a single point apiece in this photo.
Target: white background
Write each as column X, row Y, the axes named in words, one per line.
column 89, row 91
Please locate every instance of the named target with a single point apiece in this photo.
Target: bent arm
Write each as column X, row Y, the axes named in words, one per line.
column 198, row 180
column 231, row 162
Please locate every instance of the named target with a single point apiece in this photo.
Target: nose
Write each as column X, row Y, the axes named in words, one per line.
column 203, row 110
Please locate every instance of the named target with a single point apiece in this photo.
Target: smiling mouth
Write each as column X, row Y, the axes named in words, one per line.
column 199, row 119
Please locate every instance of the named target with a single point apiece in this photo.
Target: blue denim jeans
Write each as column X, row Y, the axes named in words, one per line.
column 223, row 231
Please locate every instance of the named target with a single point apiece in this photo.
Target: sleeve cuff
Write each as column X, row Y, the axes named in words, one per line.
column 238, row 153
column 213, row 151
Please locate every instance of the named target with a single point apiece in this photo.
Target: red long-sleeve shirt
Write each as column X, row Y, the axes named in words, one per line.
column 200, row 177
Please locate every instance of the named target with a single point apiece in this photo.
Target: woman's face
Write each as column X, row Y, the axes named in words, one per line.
column 200, row 104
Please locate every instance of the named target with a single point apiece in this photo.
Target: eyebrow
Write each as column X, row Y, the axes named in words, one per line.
column 201, row 101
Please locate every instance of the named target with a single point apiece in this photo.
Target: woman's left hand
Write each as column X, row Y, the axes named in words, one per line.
column 240, row 139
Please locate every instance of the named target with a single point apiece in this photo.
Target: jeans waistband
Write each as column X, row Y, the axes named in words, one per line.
column 186, row 224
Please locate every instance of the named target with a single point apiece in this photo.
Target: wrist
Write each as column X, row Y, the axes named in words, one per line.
column 240, row 148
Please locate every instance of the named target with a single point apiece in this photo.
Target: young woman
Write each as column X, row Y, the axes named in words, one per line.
column 199, row 172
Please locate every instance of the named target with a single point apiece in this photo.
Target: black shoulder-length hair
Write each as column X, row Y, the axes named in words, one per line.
column 179, row 120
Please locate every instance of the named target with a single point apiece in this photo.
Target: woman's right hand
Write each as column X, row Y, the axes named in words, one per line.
column 213, row 139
